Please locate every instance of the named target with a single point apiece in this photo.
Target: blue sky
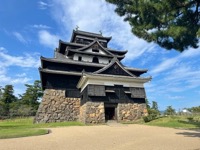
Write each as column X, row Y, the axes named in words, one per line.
column 29, row 29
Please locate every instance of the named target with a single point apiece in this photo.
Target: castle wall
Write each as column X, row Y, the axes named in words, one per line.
column 131, row 111
column 92, row 112
column 55, row 107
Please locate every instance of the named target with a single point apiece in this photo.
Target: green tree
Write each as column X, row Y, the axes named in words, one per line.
column 32, row 95
column 7, row 98
column 195, row 109
column 1, row 93
column 169, row 111
column 173, row 24
column 153, row 112
column 154, row 105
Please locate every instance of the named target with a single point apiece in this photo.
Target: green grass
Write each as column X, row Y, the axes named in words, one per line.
column 176, row 122
column 22, row 127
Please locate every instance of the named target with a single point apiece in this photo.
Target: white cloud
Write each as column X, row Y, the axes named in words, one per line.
column 96, row 15
column 18, row 62
column 21, row 75
column 30, row 61
column 40, row 26
column 43, row 5
column 172, row 62
column 19, row 37
column 48, row 39
column 2, row 49
column 175, row 97
column 13, row 80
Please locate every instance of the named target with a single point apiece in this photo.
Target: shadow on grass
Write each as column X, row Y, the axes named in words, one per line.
column 190, row 134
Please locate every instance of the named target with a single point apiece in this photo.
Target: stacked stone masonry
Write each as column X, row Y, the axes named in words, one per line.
column 55, row 107
column 92, row 112
column 131, row 111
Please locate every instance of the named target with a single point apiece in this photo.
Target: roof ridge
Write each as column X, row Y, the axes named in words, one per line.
column 114, row 60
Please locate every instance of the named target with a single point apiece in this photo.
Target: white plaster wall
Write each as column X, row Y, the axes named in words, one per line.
column 85, row 58
column 103, row 60
column 100, row 51
column 88, row 58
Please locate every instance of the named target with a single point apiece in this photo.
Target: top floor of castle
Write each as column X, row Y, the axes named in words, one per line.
column 88, row 47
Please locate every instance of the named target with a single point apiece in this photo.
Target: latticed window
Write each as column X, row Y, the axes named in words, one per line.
column 96, row 90
column 137, row 92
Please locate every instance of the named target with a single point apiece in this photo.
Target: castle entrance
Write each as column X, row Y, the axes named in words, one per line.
column 110, row 112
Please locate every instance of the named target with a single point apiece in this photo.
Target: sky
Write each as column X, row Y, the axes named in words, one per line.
column 30, row 29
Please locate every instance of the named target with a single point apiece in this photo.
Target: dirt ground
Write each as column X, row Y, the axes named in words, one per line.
column 108, row 137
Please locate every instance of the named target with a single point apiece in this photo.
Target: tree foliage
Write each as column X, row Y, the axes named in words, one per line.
column 170, row 111
column 173, row 24
column 195, row 109
column 7, row 98
column 33, row 94
column 153, row 112
column 27, row 105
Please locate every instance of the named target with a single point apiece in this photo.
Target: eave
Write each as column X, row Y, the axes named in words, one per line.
column 60, row 72
column 67, row 61
column 88, row 34
column 122, row 52
column 102, row 79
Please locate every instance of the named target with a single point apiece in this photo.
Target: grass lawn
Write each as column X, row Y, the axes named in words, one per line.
column 22, row 127
column 177, row 122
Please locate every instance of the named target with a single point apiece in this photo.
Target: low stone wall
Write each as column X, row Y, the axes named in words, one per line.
column 55, row 107
column 131, row 111
column 92, row 112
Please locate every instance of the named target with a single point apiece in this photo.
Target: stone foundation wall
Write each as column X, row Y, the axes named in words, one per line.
column 55, row 107
column 131, row 112
column 92, row 112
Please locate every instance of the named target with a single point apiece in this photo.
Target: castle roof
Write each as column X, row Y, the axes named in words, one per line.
column 88, row 34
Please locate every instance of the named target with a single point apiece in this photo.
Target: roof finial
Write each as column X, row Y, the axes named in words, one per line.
column 100, row 32
column 77, row 27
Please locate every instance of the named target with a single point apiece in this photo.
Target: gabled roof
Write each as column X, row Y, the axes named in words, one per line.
column 117, row 51
column 114, row 61
column 69, row 61
column 88, row 34
column 82, row 49
column 63, row 45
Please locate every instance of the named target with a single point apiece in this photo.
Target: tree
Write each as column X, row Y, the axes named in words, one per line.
column 1, row 93
column 154, row 105
column 32, row 95
column 7, row 98
column 153, row 112
column 195, row 109
column 169, row 111
column 173, row 24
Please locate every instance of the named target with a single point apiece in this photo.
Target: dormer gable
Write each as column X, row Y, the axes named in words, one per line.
column 114, row 68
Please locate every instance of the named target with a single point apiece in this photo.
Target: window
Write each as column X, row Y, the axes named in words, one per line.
column 95, row 60
column 137, row 92
column 95, row 50
column 96, row 90
column 79, row 58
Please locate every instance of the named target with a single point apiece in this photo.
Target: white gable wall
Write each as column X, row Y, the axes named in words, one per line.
column 89, row 58
column 100, row 51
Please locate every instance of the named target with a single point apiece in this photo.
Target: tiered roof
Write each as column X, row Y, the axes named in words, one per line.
column 81, row 41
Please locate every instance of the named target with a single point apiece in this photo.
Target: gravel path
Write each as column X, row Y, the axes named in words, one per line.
column 108, row 137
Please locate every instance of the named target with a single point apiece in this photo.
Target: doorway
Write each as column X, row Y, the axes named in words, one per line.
column 110, row 113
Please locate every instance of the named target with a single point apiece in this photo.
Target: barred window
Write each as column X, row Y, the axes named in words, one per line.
column 96, row 90
column 137, row 92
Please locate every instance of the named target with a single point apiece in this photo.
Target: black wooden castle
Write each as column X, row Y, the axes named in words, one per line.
column 87, row 69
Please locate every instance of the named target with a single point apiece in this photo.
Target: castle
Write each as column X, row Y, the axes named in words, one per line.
column 86, row 81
